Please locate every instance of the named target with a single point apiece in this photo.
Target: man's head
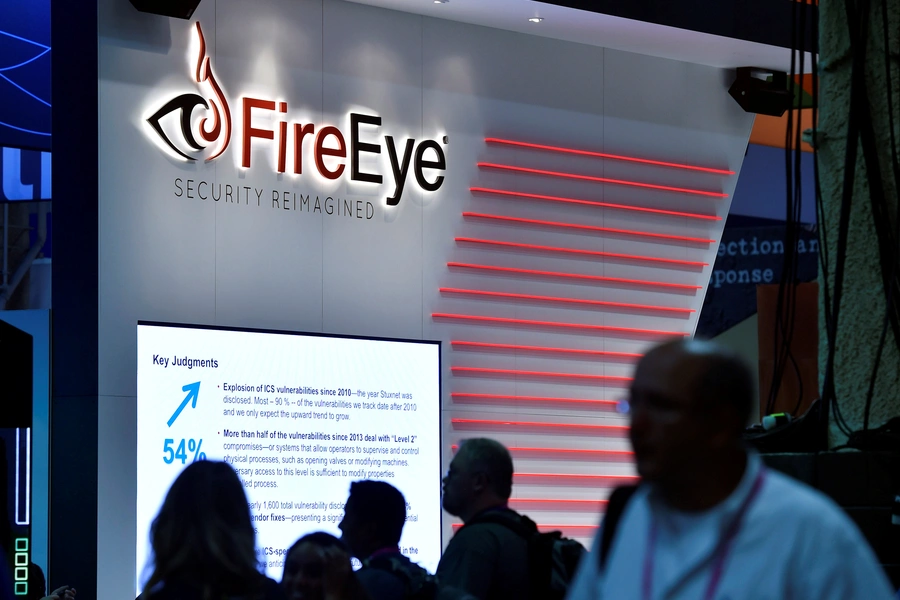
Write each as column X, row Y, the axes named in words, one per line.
column 480, row 477
column 689, row 402
column 373, row 517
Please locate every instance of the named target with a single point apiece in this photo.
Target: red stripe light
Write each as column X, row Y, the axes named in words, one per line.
column 661, row 236
column 657, row 211
column 556, row 324
column 649, row 186
column 573, row 426
column 605, row 303
column 618, row 453
column 662, row 284
column 551, row 527
column 671, row 261
column 603, row 403
column 552, row 374
column 578, row 477
column 563, row 502
column 604, row 155
column 598, row 353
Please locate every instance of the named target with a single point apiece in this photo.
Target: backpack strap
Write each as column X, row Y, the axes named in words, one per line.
column 614, row 509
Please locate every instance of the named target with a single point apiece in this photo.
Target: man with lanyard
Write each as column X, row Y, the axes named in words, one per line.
column 709, row 521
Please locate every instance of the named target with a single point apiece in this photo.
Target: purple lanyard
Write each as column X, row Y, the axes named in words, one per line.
column 722, row 551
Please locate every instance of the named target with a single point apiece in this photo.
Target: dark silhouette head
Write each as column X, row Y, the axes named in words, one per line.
column 373, row 517
column 306, row 563
column 203, row 536
column 480, row 477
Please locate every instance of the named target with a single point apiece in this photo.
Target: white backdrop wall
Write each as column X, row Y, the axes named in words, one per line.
column 170, row 258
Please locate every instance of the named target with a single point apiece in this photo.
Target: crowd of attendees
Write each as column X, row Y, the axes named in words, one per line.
column 707, row 521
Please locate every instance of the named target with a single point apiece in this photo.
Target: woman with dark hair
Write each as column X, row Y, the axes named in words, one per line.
column 204, row 545
column 317, row 567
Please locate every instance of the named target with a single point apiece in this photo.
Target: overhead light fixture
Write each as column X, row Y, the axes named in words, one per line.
column 532, row 19
column 441, row 1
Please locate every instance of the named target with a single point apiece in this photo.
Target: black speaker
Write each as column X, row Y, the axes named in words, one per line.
column 761, row 91
column 181, row 9
column 17, row 358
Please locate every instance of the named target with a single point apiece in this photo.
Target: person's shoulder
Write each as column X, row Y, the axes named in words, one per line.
column 499, row 522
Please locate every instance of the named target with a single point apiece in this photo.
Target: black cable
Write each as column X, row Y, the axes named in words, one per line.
column 850, row 161
column 895, row 165
column 822, row 236
column 786, row 305
column 821, row 232
column 886, row 238
column 780, row 339
column 857, row 79
column 870, row 393
column 896, row 260
column 798, row 213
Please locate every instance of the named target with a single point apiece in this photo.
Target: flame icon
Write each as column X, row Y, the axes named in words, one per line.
column 220, row 128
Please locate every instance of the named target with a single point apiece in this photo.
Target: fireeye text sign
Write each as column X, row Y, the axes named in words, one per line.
column 206, row 133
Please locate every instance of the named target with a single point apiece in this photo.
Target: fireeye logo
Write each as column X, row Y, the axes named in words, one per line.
column 326, row 144
column 221, row 125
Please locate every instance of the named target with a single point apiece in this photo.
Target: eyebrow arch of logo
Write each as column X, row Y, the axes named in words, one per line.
column 186, row 103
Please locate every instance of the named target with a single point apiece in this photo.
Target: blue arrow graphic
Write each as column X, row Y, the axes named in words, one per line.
column 193, row 390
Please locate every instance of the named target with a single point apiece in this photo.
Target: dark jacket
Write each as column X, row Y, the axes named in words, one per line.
column 487, row 560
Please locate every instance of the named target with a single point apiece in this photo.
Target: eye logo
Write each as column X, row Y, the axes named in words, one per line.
column 218, row 130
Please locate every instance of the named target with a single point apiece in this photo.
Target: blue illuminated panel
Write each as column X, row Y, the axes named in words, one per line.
column 25, row 103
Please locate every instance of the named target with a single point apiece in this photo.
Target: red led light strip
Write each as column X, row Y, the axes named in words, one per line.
column 577, row 426
column 605, row 303
column 552, row 527
column 592, row 504
column 662, row 284
column 605, row 403
column 579, row 477
column 555, row 324
column 598, row 453
column 638, row 184
column 657, row 211
column 552, row 374
column 661, row 236
column 671, row 261
column 604, row 155
column 490, row 345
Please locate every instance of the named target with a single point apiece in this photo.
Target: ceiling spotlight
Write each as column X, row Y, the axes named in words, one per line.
column 441, row 1
column 533, row 19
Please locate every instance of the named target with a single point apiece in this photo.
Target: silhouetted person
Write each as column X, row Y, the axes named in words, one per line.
column 61, row 593
column 489, row 560
column 204, row 546
column 317, row 567
column 37, row 586
column 708, row 519
column 374, row 516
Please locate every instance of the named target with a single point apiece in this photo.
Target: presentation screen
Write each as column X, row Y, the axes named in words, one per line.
column 299, row 417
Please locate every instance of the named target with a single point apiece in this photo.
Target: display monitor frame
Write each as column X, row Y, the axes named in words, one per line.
column 310, row 334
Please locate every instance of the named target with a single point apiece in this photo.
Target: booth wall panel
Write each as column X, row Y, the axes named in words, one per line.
column 170, row 258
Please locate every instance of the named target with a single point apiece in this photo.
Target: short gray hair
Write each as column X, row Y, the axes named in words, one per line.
column 493, row 459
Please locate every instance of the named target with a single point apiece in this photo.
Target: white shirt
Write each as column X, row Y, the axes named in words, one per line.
column 795, row 543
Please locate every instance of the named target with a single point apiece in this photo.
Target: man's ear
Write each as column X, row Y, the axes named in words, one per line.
column 480, row 482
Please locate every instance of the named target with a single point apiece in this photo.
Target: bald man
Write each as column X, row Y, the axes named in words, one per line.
column 486, row 558
column 708, row 520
